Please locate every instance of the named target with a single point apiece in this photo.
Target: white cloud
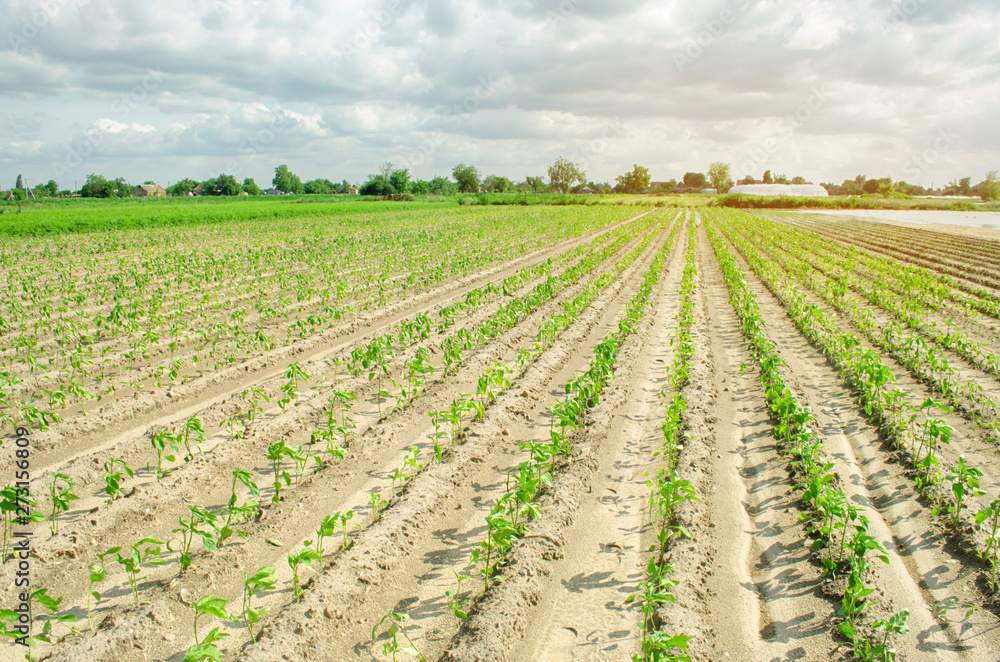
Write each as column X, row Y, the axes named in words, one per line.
column 334, row 88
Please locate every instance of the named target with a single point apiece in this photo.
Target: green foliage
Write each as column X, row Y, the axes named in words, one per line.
column 114, row 471
column 397, row 641
column 61, row 496
column 719, row 175
column 695, row 180
column 636, row 181
column 467, row 177
column 306, row 556
column 146, row 550
column 989, row 188
column 262, row 580
column 563, row 174
column 206, row 649
column 222, row 185
column 250, row 187
column 183, row 187
column 97, row 186
column 287, row 181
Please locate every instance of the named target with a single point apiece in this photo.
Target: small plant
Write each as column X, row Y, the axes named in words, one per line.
column 342, row 520
column 393, row 645
column 205, row 649
column 412, row 461
column 964, row 483
column 239, row 513
column 192, row 527
column 378, row 503
column 97, row 574
column 114, row 470
column 397, row 475
column 192, row 430
column 290, row 389
column 61, row 498
column 991, row 514
column 160, row 441
column 305, row 555
column 276, row 452
column 896, row 624
column 459, row 607
column 654, row 591
column 145, row 551
column 327, row 528
column 41, row 597
column 262, row 580
column 500, row 535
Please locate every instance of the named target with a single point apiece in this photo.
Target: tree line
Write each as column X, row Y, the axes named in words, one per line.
column 564, row 176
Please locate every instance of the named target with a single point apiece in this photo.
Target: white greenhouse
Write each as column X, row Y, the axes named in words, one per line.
column 800, row 190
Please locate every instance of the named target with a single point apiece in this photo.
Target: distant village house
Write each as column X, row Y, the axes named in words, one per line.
column 146, row 190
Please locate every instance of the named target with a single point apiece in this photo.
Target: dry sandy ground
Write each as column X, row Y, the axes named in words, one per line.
column 750, row 586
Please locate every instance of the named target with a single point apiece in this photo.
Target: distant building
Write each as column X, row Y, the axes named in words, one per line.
column 709, row 191
column 274, row 191
column 800, row 190
column 199, row 190
column 147, row 190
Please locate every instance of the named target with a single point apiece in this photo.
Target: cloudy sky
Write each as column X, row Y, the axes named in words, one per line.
column 191, row 88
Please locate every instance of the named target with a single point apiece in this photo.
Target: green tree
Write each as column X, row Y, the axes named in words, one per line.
column 962, row 187
column 718, row 174
column 694, row 180
column 399, row 180
column 285, row 180
column 534, row 185
column 227, row 185
column 97, row 186
column 989, row 188
column 376, row 185
column 563, row 174
column 20, row 183
column 636, row 181
column 182, row 187
column 798, row 180
column 666, row 188
column 318, row 186
column 467, row 177
column 250, row 186
column 767, row 179
column 442, row 186
column 497, row 184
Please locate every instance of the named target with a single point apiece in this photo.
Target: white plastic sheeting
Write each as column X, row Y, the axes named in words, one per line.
column 799, row 190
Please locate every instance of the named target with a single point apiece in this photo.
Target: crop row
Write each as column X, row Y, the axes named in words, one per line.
column 668, row 489
column 202, row 524
column 835, row 524
column 917, row 430
column 925, row 360
column 86, row 362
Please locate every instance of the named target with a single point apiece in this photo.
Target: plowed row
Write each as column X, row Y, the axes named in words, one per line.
column 750, row 584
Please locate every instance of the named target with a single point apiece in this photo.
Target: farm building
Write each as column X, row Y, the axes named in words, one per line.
column 800, row 190
column 146, row 190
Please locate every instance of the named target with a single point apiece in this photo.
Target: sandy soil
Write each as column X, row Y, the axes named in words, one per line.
column 750, row 586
